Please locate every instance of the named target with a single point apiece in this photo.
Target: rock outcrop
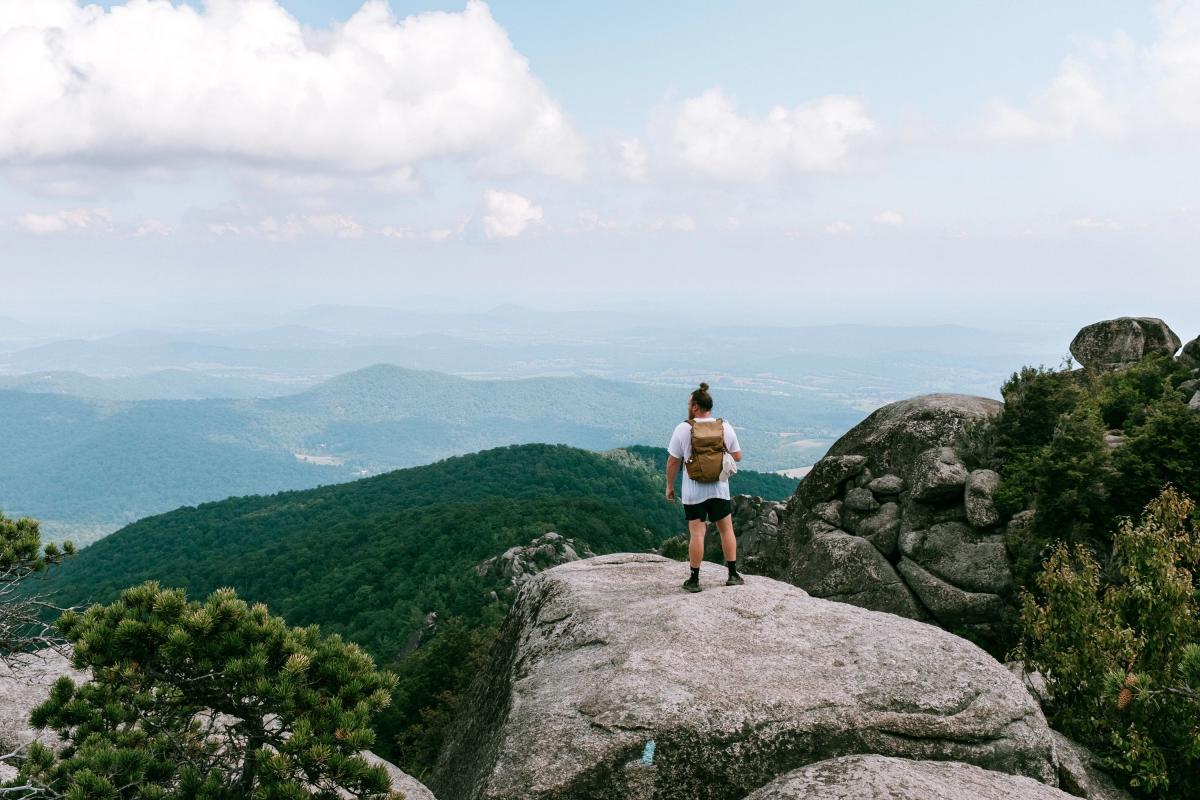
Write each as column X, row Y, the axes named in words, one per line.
column 1189, row 356
column 892, row 520
column 522, row 562
column 757, row 524
column 605, row 661
column 1082, row 774
column 881, row 778
column 1115, row 343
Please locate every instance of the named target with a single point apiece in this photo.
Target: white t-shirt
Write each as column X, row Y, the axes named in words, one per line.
column 681, row 448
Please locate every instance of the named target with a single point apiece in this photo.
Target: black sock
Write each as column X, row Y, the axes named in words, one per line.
column 695, row 574
column 732, row 566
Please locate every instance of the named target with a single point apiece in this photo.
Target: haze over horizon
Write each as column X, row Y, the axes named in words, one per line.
column 171, row 163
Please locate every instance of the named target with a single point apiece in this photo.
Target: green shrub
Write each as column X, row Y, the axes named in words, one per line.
column 213, row 701
column 1120, row 648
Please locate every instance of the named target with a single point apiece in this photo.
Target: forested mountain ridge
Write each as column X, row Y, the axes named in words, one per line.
column 371, row 557
column 75, row 462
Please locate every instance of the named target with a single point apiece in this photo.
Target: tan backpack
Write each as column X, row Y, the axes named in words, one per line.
column 708, row 449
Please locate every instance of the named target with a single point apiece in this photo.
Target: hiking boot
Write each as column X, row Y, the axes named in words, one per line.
column 734, row 580
column 691, row 585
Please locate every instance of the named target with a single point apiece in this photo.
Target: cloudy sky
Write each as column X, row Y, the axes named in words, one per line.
column 785, row 161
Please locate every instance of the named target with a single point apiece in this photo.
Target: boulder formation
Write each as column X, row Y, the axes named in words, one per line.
column 609, row 681
column 1116, row 343
column 522, row 562
column 891, row 519
column 882, row 778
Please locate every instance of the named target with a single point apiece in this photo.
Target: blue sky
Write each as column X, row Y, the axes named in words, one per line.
column 916, row 162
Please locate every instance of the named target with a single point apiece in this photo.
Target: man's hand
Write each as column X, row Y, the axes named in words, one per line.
column 671, row 494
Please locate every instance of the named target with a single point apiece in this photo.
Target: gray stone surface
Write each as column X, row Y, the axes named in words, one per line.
column 1120, row 342
column 893, row 436
column 24, row 685
column 402, row 782
column 906, row 449
column 830, row 512
column 1189, row 356
column 861, row 499
column 882, row 528
column 852, row 570
column 868, row 777
column 757, row 524
column 1081, row 773
column 1194, row 403
column 522, row 562
column 949, row 604
column 981, row 507
column 1034, row 681
column 735, row 685
column 827, row 476
column 887, row 485
column 937, row 475
column 959, row 554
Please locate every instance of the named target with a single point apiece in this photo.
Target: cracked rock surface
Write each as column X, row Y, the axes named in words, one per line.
column 734, row 685
column 880, row 778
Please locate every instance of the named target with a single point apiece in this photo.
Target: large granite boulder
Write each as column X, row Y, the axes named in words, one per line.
column 882, row 778
column 609, row 681
column 980, row 502
column 937, row 475
column 1189, row 356
column 1081, row 772
column 896, row 482
column 1115, row 343
column 893, row 436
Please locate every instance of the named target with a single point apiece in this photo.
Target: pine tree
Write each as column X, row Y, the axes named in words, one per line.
column 22, row 621
column 214, row 701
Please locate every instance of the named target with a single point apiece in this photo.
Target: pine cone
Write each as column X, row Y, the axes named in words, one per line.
column 1124, row 698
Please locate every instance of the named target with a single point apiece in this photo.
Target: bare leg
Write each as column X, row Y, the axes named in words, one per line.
column 696, row 529
column 728, row 539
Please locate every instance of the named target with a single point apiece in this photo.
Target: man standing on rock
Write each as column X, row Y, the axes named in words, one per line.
column 702, row 443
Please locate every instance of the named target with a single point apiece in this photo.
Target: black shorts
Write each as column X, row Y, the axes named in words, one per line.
column 714, row 508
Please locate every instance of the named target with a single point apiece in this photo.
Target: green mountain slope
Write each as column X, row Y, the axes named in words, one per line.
column 371, row 558
column 71, row 461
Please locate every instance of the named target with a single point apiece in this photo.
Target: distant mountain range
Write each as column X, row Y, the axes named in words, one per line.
column 86, row 466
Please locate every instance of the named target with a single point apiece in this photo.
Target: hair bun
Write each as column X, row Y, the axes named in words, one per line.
column 704, row 387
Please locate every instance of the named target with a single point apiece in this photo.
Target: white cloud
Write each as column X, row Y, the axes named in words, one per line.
column 75, row 219
column 589, row 221
column 153, row 227
column 509, row 214
column 243, row 81
column 839, row 228
column 709, row 137
column 1091, row 223
column 891, row 218
column 292, row 227
column 1114, row 88
column 679, row 223
column 633, row 158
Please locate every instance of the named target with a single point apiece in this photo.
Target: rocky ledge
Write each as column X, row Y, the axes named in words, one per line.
column 609, row 681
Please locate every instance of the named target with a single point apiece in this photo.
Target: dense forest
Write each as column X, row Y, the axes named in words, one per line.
column 370, row 559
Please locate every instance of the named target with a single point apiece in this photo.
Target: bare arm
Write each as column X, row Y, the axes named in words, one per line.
column 672, row 472
column 737, row 456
